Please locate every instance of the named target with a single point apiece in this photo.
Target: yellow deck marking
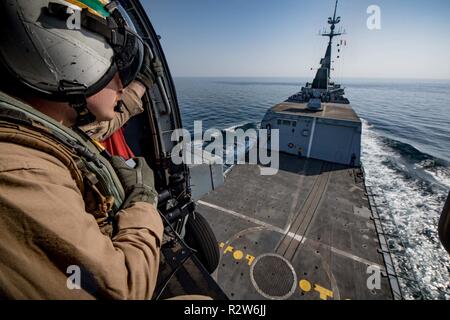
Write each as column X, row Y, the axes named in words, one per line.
column 304, row 285
column 237, row 254
column 323, row 293
column 292, row 235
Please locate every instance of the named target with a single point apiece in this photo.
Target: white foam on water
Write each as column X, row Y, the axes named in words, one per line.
column 415, row 209
column 442, row 175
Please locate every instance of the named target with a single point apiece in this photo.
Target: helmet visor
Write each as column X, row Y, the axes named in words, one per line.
column 129, row 55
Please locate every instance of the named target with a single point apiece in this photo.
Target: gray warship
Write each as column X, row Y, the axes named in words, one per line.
column 312, row 231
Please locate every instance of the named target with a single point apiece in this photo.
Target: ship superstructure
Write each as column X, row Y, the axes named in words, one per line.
column 318, row 122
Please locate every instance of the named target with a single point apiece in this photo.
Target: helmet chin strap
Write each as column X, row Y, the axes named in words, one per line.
column 84, row 116
column 76, row 97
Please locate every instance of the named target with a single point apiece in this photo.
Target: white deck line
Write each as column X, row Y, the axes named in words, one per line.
column 290, row 234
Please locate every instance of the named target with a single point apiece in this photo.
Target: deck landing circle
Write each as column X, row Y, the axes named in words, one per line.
column 273, row 276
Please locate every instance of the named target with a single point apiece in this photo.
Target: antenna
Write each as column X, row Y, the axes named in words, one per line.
column 333, row 22
column 335, row 9
column 322, row 89
column 322, row 78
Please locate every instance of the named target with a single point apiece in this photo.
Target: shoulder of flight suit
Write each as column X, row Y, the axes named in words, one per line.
column 45, row 230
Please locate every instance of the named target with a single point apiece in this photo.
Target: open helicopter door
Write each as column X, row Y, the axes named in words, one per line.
column 183, row 271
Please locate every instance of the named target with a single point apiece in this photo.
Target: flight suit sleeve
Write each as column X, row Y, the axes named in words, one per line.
column 59, row 229
column 132, row 105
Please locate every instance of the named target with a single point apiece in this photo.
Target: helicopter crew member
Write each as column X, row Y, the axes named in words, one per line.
column 56, row 193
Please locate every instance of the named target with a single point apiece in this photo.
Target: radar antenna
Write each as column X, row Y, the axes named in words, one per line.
column 322, row 79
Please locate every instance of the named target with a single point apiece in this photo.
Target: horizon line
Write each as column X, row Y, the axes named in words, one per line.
column 301, row 77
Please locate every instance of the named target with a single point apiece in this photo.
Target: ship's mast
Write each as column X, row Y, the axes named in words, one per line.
column 322, row 78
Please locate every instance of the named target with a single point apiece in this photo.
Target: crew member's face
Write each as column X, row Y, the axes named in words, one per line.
column 102, row 104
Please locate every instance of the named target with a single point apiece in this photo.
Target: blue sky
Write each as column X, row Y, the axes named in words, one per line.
column 278, row 38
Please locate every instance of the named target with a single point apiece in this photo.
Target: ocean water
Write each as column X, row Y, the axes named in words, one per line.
column 406, row 155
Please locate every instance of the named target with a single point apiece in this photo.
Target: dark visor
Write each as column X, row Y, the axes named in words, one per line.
column 123, row 38
column 129, row 58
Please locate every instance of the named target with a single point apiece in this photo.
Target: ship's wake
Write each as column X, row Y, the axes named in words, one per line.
column 411, row 187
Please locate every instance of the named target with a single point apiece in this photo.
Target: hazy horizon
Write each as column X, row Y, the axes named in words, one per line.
column 309, row 78
column 267, row 38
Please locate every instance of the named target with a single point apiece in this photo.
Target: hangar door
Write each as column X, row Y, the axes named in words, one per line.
column 333, row 143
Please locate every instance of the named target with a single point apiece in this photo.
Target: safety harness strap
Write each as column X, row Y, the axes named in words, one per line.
column 16, row 128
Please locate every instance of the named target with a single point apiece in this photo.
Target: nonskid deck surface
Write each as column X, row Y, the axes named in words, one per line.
column 305, row 233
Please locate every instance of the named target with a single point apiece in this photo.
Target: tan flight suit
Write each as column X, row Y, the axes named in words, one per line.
column 46, row 236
